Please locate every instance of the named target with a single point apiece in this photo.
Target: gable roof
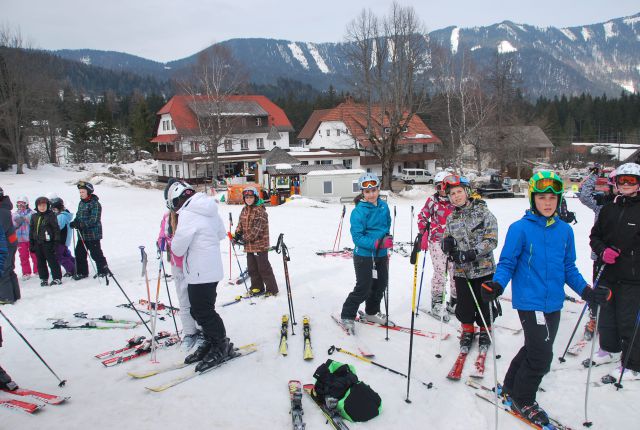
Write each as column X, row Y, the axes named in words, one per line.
column 533, row 135
column 310, row 127
column 279, row 156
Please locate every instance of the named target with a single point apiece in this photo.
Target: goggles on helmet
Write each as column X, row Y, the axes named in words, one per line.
column 248, row 193
column 546, row 185
column 627, row 180
column 372, row 183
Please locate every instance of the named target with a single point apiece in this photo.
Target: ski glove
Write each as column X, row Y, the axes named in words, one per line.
column 609, row 255
column 424, row 245
column 74, row 224
column 449, row 245
column 490, row 291
column 598, row 295
column 384, row 243
column 462, row 257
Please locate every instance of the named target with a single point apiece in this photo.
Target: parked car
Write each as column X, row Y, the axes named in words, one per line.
column 576, row 177
column 416, row 176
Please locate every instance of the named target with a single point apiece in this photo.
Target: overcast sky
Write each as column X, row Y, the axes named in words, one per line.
column 166, row 30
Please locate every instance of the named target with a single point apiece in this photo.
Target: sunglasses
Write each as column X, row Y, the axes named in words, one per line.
column 627, row 180
column 369, row 184
column 546, row 185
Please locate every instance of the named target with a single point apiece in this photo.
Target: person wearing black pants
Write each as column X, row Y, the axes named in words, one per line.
column 367, row 290
column 203, row 301
column 466, row 310
column 44, row 234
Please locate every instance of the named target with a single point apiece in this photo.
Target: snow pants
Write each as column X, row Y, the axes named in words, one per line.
column 46, row 254
column 261, row 272
column 65, row 258
column 182, row 291
column 533, row 361
column 4, row 378
column 440, row 263
column 96, row 254
column 9, row 286
column 25, row 255
column 466, row 310
column 203, row 309
column 368, row 289
column 618, row 319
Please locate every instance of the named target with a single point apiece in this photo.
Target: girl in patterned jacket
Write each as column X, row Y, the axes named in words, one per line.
column 21, row 218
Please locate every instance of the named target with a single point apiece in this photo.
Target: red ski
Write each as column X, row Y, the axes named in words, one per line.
column 27, row 407
column 479, row 365
column 417, row 332
column 50, row 399
column 131, row 344
column 139, row 351
column 456, row 371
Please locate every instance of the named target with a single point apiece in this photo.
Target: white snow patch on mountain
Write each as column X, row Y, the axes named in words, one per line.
column 476, row 47
column 298, row 55
column 317, row 58
column 284, row 53
column 508, row 29
column 631, row 21
column 586, row 34
column 505, row 46
column 626, row 85
column 455, row 39
column 569, row 34
column 521, row 27
column 86, row 60
column 609, row 32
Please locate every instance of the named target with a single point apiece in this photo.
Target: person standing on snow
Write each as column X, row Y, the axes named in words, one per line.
column 197, row 239
column 370, row 224
column 21, row 219
column 253, row 232
column 615, row 239
column 9, row 286
column 89, row 225
column 44, row 235
column 470, row 236
column 168, row 226
column 432, row 220
column 63, row 255
column 538, row 257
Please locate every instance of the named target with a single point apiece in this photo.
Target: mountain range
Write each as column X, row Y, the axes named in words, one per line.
column 549, row 61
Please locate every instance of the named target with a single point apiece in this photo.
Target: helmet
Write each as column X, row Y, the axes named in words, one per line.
column 57, row 203
column 43, row 199
column 23, row 199
column 86, row 186
column 368, row 180
column 52, row 196
column 179, row 192
column 628, row 169
column 440, row 176
column 251, row 191
column 166, row 189
column 545, row 182
column 611, row 178
column 451, row 181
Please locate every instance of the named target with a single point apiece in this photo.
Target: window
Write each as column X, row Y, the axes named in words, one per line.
column 195, row 147
column 328, row 132
column 327, row 187
column 177, row 171
column 399, row 168
column 304, row 163
column 244, row 144
column 164, row 126
column 410, row 149
column 355, row 187
column 173, row 126
column 164, row 170
column 338, row 133
column 319, row 133
column 326, row 162
column 405, row 129
column 260, row 142
column 171, row 170
column 347, row 163
column 228, row 146
column 258, row 122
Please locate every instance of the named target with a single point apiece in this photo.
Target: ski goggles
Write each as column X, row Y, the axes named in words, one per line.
column 627, row 180
column 546, row 185
column 372, row 183
column 248, row 193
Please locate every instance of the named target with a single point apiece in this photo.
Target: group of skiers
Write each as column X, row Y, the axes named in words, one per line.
column 538, row 258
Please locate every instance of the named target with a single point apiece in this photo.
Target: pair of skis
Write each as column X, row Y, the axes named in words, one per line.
column 284, row 335
column 401, row 329
column 455, row 374
column 136, row 347
column 28, row 407
column 359, row 344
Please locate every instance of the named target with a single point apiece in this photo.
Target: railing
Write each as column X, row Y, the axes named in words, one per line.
column 167, row 156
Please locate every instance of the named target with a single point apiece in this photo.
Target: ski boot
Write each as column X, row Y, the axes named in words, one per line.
column 590, row 328
column 378, row 318
column 602, row 357
column 200, row 352
column 6, row 382
column 451, row 305
column 78, row 276
column 56, row 282
column 466, row 338
column 484, row 341
column 44, row 282
column 532, row 413
column 437, row 311
column 218, row 354
column 349, row 325
column 191, row 340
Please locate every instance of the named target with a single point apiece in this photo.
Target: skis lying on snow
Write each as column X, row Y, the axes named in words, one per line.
column 240, row 279
column 131, row 344
column 577, row 347
column 362, row 348
column 254, row 293
column 141, row 349
column 62, row 324
column 107, row 319
column 190, row 374
column 332, row 415
column 50, row 399
column 27, row 407
column 344, row 253
column 284, row 334
column 417, row 332
column 295, row 394
column 306, row 330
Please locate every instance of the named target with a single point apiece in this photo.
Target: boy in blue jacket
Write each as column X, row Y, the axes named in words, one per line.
column 538, row 258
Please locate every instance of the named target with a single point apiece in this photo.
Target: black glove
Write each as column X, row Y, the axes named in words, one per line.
column 449, row 245
column 594, row 170
column 238, row 239
column 491, row 291
column 598, row 295
column 462, row 257
column 74, row 224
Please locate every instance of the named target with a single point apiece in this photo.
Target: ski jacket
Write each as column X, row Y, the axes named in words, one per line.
column 253, row 225
column 64, row 218
column 44, row 228
column 369, row 223
column 474, row 227
column 539, row 257
column 6, row 223
column 618, row 225
column 433, row 216
column 165, row 237
column 197, row 239
column 21, row 221
column 88, row 218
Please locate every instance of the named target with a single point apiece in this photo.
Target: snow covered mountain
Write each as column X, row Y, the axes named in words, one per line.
column 596, row 58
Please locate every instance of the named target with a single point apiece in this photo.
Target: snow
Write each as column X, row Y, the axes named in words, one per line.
column 251, row 393
column 609, row 32
column 455, row 39
column 298, row 54
column 476, row 47
column 586, row 34
column 505, row 46
column 627, row 85
column 283, row 166
column 569, row 34
column 632, row 21
column 313, row 50
column 284, row 53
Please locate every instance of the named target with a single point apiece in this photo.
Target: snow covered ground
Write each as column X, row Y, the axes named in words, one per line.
column 251, row 393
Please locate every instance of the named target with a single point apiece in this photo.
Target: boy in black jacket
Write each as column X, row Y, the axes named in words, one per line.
column 44, row 234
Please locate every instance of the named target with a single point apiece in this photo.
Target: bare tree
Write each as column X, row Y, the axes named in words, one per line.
column 389, row 59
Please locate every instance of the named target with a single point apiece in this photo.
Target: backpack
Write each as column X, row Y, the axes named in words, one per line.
column 338, row 387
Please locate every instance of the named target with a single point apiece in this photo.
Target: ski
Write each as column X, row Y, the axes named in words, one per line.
column 295, row 394
column 358, row 342
column 401, row 329
column 192, row 374
column 50, row 399
column 577, row 347
column 306, row 329
column 344, row 253
column 445, row 316
column 91, row 325
column 333, row 417
column 478, row 371
column 27, row 407
column 284, row 332
column 240, row 279
column 456, row 371
column 161, row 306
column 105, row 319
column 139, row 351
column 238, row 298
column 131, row 344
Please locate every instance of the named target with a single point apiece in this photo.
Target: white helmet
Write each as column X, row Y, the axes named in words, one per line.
column 440, row 176
column 628, row 169
column 52, row 196
column 178, row 193
column 22, row 199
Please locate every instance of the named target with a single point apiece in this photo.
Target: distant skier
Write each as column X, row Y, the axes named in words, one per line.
column 63, row 254
column 538, row 257
column 44, row 235
column 21, row 219
column 432, row 220
column 370, row 224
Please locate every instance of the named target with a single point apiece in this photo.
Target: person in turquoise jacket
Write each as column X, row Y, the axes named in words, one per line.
column 538, row 258
column 370, row 224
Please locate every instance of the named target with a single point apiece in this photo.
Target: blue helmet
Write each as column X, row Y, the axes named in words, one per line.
column 368, row 180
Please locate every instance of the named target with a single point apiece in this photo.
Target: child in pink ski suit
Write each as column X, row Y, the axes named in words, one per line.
column 21, row 219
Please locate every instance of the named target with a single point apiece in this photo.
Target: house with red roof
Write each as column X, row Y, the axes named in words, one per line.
column 253, row 126
column 340, row 135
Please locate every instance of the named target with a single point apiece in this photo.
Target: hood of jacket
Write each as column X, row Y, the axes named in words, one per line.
column 200, row 204
column 5, row 203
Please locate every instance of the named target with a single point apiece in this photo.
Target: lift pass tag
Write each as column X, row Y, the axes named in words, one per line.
column 540, row 320
column 374, row 274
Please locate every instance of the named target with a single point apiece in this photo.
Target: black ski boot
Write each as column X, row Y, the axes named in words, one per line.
column 451, row 305
column 200, row 352
column 218, row 354
column 79, row 276
column 484, row 341
column 466, row 338
column 6, row 382
column 533, row 413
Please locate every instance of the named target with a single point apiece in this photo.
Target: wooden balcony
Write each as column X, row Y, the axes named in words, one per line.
column 167, row 156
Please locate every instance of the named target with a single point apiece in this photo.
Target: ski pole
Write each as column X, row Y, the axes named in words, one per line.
column 413, row 260
column 411, row 224
column 334, row 348
column 143, row 260
column 586, row 422
column 230, row 228
column 285, row 259
column 495, row 363
column 130, row 302
column 339, row 232
column 166, row 283
column 244, row 280
column 62, row 382
column 93, row 264
column 584, row 308
column 424, row 259
column 154, row 343
column 628, row 353
column 444, row 292
column 393, row 230
column 75, row 260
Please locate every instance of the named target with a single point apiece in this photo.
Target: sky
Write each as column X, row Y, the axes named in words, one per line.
column 164, row 30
